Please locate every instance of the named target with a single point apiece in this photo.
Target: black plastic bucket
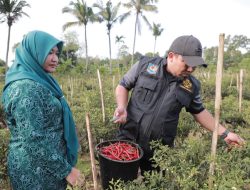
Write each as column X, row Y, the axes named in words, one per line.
column 116, row 169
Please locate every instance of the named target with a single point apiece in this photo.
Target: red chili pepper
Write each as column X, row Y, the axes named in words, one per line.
column 120, row 151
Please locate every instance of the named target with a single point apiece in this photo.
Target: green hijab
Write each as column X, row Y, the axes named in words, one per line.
column 29, row 59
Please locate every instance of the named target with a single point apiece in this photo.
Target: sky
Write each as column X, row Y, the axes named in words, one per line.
column 204, row 19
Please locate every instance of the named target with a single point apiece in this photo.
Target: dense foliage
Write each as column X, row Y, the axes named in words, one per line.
column 184, row 167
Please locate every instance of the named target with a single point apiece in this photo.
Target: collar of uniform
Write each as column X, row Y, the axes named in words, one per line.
column 169, row 76
column 165, row 61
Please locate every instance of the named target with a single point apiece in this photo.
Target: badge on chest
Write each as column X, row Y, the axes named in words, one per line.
column 152, row 68
column 186, row 85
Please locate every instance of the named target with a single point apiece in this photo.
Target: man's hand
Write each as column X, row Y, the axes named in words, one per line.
column 120, row 115
column 234, row 141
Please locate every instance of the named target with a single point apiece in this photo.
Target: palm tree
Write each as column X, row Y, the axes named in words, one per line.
column 11, row 11
column 140, row 6
column 119, row 40
column 83, row 15
column 157, row 30
column 109, row 14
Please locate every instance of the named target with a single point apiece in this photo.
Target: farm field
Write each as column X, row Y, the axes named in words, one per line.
column 187, row 165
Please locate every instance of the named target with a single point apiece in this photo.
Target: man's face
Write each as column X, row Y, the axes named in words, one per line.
column 51, row 61
column 177, row 66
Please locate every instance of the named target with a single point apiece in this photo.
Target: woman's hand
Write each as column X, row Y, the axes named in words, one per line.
column 75, row 178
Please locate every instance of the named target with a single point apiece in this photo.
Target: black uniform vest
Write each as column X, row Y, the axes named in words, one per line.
column 157, row 100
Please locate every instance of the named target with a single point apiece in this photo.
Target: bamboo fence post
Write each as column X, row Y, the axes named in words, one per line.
column 91, row 151
column 237, row 82
column 67, row 93
column 231, row 81
column 240, row 89
column 217, row 109
column 71, row 84
column 100, row 85
column 113, row 83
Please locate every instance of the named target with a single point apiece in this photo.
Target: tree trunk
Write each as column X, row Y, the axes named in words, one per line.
column 86, row 48
column 110, row 64
column 7, row 50
column 136, row 21
column 154, row 45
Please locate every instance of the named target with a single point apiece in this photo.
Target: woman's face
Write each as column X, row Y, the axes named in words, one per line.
column 51, row 61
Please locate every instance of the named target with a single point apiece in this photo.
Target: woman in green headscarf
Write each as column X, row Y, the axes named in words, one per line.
column 43, row 144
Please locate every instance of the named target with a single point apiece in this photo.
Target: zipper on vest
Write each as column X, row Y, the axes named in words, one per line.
column 148, row 129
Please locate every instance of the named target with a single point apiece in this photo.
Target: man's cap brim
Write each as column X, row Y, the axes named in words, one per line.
column 194, row 61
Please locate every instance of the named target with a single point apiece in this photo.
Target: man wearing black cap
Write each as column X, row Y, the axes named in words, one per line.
column 161, row 88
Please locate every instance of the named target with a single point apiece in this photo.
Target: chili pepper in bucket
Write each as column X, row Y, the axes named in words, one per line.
column 120, row 151
column 118, row 160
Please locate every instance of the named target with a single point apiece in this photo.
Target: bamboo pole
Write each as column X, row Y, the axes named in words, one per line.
column 237, row 82
column 240, row 89
column 217, row 108
column 67, row 94
column 113, row 83
column 91, row 151
column 71, row 84
column 100, row 85
column 231, row 81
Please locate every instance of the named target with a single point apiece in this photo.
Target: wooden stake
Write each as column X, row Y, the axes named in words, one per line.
column 71, row 84
column 237, row 82
column 100, row 85
column 240, row 89
column 91, row 151
column 217, row 108
column 114, row 83
column 231, row 81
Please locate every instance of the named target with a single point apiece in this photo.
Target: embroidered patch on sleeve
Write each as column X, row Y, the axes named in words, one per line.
column 152, row 68
column 187, row 85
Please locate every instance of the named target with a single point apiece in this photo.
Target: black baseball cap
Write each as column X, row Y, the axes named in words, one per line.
column 190, row 48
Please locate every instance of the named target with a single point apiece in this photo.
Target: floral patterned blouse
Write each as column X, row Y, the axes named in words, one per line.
column 37, row 150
